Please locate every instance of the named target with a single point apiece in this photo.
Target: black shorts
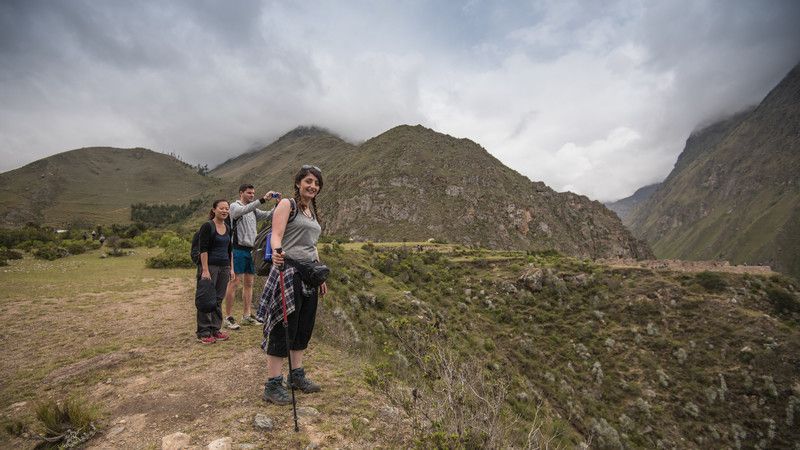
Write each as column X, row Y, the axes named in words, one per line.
column 301, row 323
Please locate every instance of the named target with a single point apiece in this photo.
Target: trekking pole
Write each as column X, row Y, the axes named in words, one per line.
column 288, row 346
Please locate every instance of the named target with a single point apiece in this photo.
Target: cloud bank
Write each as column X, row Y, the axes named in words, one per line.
column 589, row 97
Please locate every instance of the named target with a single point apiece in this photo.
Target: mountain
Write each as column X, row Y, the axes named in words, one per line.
column 95, row 185
column 412, row 183
column 734, row 192
column 624, row 206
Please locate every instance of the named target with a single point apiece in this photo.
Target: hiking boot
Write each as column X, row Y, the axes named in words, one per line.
column 220, row 336
column 206, row 339
column 275, row 392
column 301, row 382
column 252, row 319
column 246, row 320
column 230, row 323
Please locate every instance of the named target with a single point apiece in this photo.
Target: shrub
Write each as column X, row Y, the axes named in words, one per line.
column 12, row 238
column 711, row 281
column 50, row 252
column 175, row 255
column 150, row 238
column 68, row 424
column 7, row 253
column 782, row 300
column 74, row 247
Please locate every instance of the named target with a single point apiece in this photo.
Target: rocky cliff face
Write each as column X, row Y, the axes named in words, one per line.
column 734, row 192
column 412, row 183
column 623, row 207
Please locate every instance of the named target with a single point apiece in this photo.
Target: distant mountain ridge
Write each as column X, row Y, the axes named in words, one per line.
column 409, row 183
column 412, row 183
column 624, row 206
column 734, row 193
column 95, row 185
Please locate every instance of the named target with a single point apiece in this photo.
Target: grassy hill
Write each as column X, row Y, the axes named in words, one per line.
column 96, row 186
column 436, row 345
column 734, row 193
column 413, row 183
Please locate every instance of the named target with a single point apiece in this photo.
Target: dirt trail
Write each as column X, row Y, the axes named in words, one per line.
column 137, row 357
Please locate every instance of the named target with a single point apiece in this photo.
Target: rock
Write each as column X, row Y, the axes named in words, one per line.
column 681, row 355
column 607, row 436
column 522, row 396
column 508, row 287
column 691, row 409
column 462, row 306
column 468, row 292
column 247, row 446
column 221, row 444
column 390, row 411
column 354, row 301
column 175, row 441
column 115, row 431
column 307, row 411
column 663, row 379
column 263, row 422
column 532, row 279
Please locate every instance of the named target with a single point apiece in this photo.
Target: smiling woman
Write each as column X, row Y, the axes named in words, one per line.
column 287, row 296
column 213, row 272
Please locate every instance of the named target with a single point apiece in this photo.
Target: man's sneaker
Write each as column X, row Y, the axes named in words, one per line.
column 230, row 323
column 301, row 382
column 275, row 392
column 247, row 321
column 206, row 340
column 220, row 336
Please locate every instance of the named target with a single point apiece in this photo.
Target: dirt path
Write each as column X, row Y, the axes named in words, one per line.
column 125, row 340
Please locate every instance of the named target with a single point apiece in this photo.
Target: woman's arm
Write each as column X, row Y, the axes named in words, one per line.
column 279, row 220
column 204, row 265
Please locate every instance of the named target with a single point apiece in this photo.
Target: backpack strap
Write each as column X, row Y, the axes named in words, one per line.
column 293, row 213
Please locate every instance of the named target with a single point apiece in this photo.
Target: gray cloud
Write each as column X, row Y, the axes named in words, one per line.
column 593, row 97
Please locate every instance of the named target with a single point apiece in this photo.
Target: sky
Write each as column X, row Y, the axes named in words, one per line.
column 593, row 97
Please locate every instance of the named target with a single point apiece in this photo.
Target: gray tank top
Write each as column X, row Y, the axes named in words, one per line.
column 300, row 238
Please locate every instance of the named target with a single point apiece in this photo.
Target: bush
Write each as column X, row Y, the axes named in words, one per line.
column 150, row 238
column 7, row 253
column 12, row 238
column 68, row 424
column 50, row 252
column 74, row 247
column 711, row 281
column 175, row 255
column 782, row 300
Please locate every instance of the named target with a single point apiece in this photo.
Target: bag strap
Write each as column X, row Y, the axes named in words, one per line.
column 293, row 213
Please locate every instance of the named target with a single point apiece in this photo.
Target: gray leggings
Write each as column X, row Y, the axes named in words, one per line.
column 210, row 323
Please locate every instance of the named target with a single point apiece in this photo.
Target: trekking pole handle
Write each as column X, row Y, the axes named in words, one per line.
column 279, row 250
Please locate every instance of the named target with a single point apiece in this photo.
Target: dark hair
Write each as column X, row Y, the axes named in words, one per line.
column 214, row 206
column 245, row 187
column 305, row 170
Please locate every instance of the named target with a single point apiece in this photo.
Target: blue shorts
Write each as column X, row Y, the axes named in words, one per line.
column 243, row 261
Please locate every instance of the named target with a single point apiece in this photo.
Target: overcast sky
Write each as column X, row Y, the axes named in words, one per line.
column 593, row 97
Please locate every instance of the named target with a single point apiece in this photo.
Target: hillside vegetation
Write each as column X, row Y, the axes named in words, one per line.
column 430, row 345
column 734, row 193
column 96, row 186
